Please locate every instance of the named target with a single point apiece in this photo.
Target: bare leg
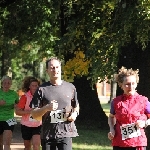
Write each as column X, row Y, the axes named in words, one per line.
column 27, row 144
column 36, row 141
column 7, row 136
column 1, row 142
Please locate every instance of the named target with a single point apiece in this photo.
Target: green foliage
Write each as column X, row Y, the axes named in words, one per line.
column 76, row 67
column 33, row 30
column 102, row 28
column 28, row 36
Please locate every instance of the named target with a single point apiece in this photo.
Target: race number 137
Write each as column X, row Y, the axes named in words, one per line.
column 58, row 116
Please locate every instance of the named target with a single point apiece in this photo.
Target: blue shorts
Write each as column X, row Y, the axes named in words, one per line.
column 4, row 126
column 28, row 132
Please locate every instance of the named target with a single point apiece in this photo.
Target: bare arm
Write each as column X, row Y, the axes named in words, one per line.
column 111, row 123
column 21, row 112
column 76, row 109
column 37, row 113
column 74, row 114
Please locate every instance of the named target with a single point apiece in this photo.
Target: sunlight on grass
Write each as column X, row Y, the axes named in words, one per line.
column 92, row 140
column 83, row 146
column 106, row 108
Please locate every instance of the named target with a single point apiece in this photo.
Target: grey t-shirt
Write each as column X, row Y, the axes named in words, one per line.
column 52, row 125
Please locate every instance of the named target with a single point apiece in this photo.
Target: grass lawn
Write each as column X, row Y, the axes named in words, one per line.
column 92, row 140
column 106, row 108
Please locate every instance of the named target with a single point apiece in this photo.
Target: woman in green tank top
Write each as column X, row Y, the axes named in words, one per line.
column 8, row 98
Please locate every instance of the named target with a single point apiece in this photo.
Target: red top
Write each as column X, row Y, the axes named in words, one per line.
column 22, row 102
column 129, row 109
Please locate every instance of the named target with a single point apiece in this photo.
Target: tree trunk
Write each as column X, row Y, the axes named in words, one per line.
column 144, row 84
column 5, row 62
column 91, row 112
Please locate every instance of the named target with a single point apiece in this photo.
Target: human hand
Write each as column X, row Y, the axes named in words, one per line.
column 2, row 102
column 73, row 116
column 15, row 106
column 111, row 134
column 28, row 111
column 140, row 123
column 52, row 106
column 68, row 110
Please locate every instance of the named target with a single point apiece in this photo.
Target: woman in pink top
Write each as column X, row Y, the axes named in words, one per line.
column 30, row 128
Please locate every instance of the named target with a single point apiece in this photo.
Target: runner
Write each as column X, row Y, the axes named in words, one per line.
column 30, row 128
column 127, row 116
column 56, row 103
column 8, row 99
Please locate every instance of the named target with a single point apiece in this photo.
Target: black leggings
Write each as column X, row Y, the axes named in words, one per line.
column 126, row 148
column 57, row 144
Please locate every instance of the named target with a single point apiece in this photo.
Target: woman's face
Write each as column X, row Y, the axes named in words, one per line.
column 33, row 86
column 6, row 84
column 129, row 85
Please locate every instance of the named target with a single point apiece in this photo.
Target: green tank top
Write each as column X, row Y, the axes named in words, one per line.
column 7, row 110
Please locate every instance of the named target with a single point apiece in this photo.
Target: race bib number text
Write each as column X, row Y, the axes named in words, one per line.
column 58, row 116
column 11, row 121
column 129, row 131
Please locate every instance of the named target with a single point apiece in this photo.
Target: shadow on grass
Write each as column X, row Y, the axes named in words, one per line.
column 103, row 148
column 91, row 139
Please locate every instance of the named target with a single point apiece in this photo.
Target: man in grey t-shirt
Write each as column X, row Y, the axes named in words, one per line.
column 56, row 104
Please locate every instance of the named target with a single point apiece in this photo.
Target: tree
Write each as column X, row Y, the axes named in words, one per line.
column 24, row 35
column 91, row 112
column 101, row 29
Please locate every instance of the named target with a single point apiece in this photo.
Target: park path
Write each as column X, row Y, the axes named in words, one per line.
column 17, row 141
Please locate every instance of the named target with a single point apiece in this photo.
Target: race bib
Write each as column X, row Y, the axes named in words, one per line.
column 32, row 119
column 58, row 116
column 11, row 121
column 130, row 131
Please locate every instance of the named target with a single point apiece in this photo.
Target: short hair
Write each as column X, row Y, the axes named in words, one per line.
column 50, row 59
column 124, row 72
column 27, row 81
column 5, row 77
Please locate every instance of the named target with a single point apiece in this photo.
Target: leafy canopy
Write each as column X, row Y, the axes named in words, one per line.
column 98, row 29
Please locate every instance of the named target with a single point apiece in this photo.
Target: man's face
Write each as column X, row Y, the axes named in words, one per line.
column 54, row 69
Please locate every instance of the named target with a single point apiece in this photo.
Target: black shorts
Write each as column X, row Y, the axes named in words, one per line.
column 57, row 144
column 4, row 126
column 28, row 132
column 126, row 148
